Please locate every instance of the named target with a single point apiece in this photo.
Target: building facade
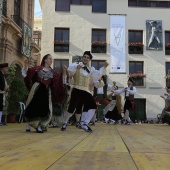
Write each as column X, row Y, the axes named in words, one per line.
column 37, row 36
column 72, row 26
column 16, row 33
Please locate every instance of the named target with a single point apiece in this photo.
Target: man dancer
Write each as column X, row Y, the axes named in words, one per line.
column 3, row 87
column 129, row 99
column 83, row 76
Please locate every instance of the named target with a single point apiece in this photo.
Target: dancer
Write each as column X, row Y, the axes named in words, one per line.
column 83, row 76
column 45, row 86
column 100, row 95
column 165, row 116
column 114, row 112
column 129, row 99
column 3, row 88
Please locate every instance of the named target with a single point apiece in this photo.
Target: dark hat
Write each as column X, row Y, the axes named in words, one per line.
column 88, row 53
column 130, row 79
column 3, row 65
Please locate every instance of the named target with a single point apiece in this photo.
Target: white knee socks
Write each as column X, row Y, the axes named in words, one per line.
column 78, row 117
column 89, row 115
column 126, row 117
column 83, row 117
column 94, row 117
column 67, row 115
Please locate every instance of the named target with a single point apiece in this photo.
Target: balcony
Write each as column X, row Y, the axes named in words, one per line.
column 18, row 21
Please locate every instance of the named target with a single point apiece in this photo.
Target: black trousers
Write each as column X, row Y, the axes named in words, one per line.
column 1, row 102
column 81, row 97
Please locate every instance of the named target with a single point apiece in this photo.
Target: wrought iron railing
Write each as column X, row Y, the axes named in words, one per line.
column 18, row 20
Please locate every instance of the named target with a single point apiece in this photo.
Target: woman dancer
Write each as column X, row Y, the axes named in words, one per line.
column 46, row 86
column 115, row 110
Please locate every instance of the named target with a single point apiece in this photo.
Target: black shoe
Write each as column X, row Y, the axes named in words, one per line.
column 78, row 125
column 63, row 127
column 86, row 128
column 28, row 130
column 92, row 124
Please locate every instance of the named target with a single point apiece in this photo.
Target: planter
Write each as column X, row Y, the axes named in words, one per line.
column 11, row 118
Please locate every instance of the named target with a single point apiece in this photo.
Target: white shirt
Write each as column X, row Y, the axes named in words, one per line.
column 95, row 75
column 100, row 90
column 128, row 92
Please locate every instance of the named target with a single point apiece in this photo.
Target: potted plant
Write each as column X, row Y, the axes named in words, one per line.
column 16, row 94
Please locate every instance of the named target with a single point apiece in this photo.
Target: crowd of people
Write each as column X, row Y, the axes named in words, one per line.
column 78, row 90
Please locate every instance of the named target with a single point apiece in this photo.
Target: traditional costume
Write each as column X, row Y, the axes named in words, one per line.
column 45, row 87
column 115, row 109
column 165, row 116
column 129, row 100
column 83, row 78
column 3, row 85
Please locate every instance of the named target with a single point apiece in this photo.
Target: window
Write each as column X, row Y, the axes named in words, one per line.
column 17, row 13
column 59, row 63
column 136, row 72
column 152, row 4
column 62, row 5
column 163, row 4
column 37, row 38
column 61, row 40
column 149, row 3
column 135, row 42
column 132, row 3
column 97, row 64
column 81, row 2
column 167, row 42
column 99, row 6
column 4, row 12
column 167, row 65
column 142, row 3
column 98, row 41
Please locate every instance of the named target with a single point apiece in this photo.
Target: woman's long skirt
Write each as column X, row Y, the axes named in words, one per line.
column 114, row 115
column 38, row 110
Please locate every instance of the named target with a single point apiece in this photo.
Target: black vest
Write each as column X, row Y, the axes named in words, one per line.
column 131, row 96
column 104, row 90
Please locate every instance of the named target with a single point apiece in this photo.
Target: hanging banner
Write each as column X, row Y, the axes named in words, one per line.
column 26, row 40
column 117, row 44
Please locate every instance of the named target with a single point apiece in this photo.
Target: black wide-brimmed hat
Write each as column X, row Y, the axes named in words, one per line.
column 3, row 65
column 88, row 53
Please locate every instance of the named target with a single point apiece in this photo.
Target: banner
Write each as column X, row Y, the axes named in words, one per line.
column 26, row 40
column 117, row 44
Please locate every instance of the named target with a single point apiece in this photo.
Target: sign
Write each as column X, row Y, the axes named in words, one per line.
column 117, row 44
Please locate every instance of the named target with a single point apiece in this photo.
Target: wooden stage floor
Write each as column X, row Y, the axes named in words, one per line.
column 109, row 147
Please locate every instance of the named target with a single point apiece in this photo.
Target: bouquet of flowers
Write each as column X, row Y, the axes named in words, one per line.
column 167, row 44
column 98, row 42
column 60, row 41
column 137, row 75
column 135, row 44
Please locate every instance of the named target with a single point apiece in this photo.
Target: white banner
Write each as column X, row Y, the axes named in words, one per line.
column 117, row 44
